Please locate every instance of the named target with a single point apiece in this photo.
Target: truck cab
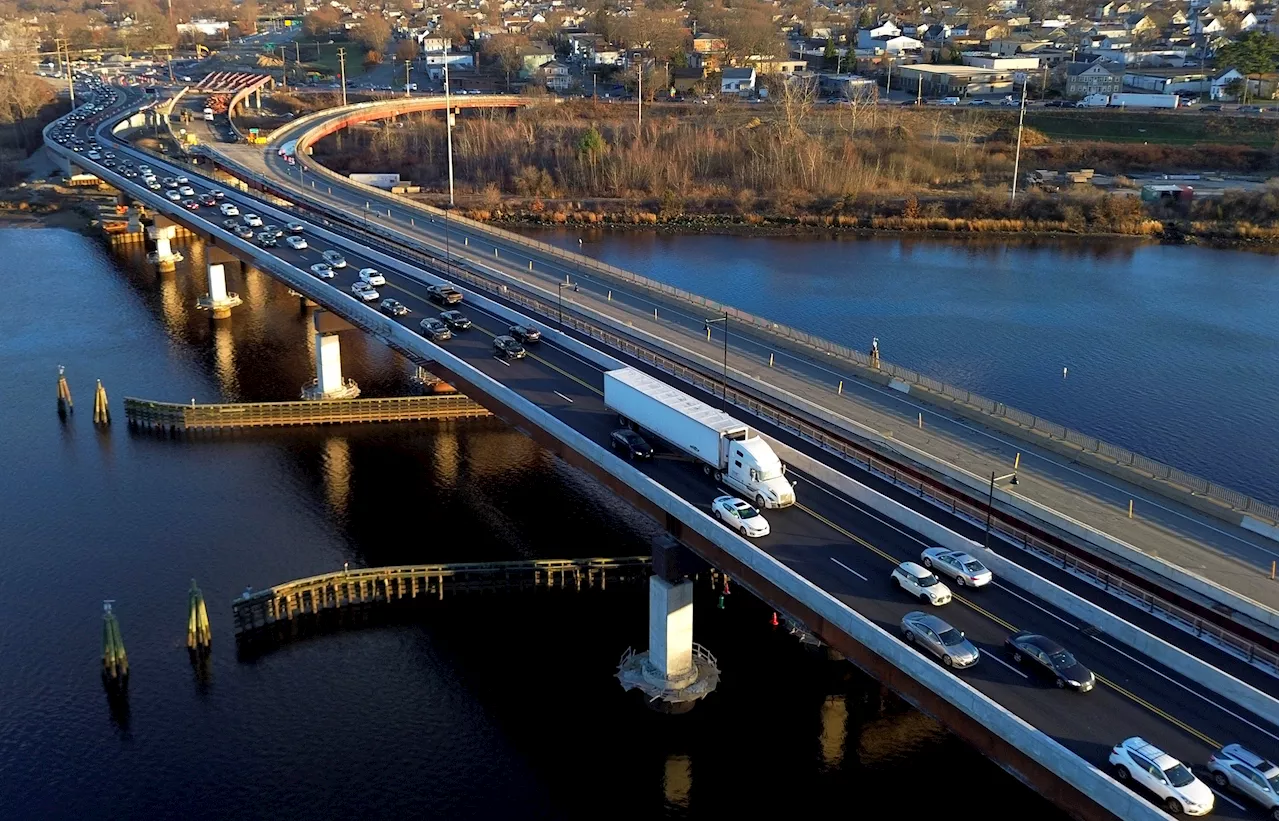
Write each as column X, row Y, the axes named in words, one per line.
column 753, row 469
column 208, row 114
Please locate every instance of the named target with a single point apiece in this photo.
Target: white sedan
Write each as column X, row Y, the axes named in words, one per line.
column 173, row 195
column 364, row 291
column 253, row 220
column 322, row 270
column 187, row 191
column 372, row 276
column 966, row 570
column 740, row 516
column 296, row 243
column 229, row 210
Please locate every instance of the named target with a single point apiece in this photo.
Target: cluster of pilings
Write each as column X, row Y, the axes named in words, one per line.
column 101, row 408
column 115, row 661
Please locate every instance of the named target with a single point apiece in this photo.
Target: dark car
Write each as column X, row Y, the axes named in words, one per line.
column 1051, row 660
column 434, row 329
column 507, row 346
column 230, row 224
column 455, row 320
column 1059, row 104
column 244, row 232
column 444, row 294
column 393, row 307
column 191, row 205
column 1211, row 108
column 274, row 230
column 208, row 199
column 630, row 444
column 525, row 333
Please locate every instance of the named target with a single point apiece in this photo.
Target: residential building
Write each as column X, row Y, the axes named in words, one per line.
column 1084, row 79
column 737, row 80
column 555, row 75
column 534, row 57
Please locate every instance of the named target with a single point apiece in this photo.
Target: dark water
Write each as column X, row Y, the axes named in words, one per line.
column 1171, row 351
column 484, row 707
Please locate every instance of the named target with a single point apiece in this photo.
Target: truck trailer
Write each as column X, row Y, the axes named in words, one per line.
column 727, row 449
column 1128, row 100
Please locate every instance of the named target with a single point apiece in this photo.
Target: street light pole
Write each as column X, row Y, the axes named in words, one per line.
column 342, row 66
column 560, row 286
column 724, row 379
column 991, row 497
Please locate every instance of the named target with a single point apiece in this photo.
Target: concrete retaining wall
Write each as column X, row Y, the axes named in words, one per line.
column 1260, row 704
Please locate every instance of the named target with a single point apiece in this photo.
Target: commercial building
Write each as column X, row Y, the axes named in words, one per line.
column 950, row 81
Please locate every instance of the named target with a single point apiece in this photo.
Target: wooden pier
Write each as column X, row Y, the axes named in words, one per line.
column 254, row 612
column 177, row 417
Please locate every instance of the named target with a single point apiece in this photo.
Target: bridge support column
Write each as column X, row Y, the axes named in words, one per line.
column 674, row 673
column 219, row 300
column 164, row 257
column 329, row 383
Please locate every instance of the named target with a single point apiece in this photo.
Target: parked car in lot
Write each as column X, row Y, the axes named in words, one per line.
column 322, row 270
column 740, row 516
column 1050, row 660
column 630, row 444
column 920, row 583
column 372, row 276
column 363, row 290
column 455, row 320
column 296, row 243
column 1137, row 761
column 939, row 639
column 1249, row 774
column 444, row 294
column 525, row 333
column 393, row 307
column 435, row 330
column 966, row 570
column 508, row 347
column 334, row 259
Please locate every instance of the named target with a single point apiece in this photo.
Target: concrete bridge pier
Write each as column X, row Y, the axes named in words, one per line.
column 329, row 383
column 219, row 301
column 675, row 672
column 165, row 258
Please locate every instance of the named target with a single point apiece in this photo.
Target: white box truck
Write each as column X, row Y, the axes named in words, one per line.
column 727, row 449
column 208, row 115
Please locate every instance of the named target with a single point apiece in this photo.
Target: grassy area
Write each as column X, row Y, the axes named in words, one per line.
column 327, row 62
column 1158, row 128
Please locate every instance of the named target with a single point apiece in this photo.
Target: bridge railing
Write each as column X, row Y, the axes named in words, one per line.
column 795, row 338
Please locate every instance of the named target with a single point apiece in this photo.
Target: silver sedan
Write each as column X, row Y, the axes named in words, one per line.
column 932, row 634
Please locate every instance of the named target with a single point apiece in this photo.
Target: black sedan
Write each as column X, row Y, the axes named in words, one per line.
column 508, row 347
column 525, row 333
column 630, row 444
column 393, row 307
column 455, row 320
column 1051, row 660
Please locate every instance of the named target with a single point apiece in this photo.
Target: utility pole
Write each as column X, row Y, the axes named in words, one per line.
column 919, row 88
column 1017, row 154
column 297, row 55
column 888, row 77
column 71, row 75
column 284, row 68
column 639, row 97
column 342, row 67
column 448, row 129
column 406, row 78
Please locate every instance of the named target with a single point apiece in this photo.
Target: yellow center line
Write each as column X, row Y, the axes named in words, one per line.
column 1012, row 629
column 491, row 334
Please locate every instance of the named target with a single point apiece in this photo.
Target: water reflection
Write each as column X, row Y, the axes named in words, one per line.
column 677, row 779
column 835, row 720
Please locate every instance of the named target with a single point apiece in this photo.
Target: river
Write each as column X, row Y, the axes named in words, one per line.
column 495, row 706
column 1170, row 351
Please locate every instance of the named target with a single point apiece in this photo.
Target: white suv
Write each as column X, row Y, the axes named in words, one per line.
column 1234, row 766
column 921, row 583
column 1135, row 761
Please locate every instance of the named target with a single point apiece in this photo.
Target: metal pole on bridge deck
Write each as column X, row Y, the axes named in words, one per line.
column 724, row 379
column 991, row 496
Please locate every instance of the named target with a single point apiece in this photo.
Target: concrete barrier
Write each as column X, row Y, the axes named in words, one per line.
column 1046, row 752
column 1255, row 701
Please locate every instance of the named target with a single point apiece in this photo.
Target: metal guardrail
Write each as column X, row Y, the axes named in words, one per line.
column 319, row 412
column 811, row 431
column 1089, row 444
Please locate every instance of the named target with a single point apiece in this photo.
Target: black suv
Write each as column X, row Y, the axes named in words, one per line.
column 455, row 320
column 524, row 333
column 630, row 444
column 434, row 329
column 508, row 347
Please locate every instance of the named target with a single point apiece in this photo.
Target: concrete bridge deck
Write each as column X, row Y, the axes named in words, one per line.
column 825, row 562
column 1164, row 528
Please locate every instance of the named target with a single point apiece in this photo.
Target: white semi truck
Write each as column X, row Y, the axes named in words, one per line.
column 1129, row 100
column 728, row 449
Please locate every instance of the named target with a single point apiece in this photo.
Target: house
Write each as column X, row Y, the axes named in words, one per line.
column 605, row 55
column 435, row 61
column 775, row 65
column 534, row 57
column 737, row 80
column 430, row 44
column 1084, row 79
column 709, row 44
column 555, row 75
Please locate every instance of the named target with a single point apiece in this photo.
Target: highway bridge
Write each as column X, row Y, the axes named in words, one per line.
column 827, row 560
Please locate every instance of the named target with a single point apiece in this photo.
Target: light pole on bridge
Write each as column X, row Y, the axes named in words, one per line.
column 724, row 378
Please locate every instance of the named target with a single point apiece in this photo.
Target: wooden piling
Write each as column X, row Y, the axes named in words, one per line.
column 101, row 411
column 65, row 405
column 199, row 636
column 115, row 663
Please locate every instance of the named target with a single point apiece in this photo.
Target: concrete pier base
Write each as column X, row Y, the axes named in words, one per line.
column 164, row 257
column 219, row 300
column 329, row 383
column 675, row 672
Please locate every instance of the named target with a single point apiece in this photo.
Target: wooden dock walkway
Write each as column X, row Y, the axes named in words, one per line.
column 254, row 612
column 177, row 417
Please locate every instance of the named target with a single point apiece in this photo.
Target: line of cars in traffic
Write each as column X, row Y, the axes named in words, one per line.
column 1133, row 761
